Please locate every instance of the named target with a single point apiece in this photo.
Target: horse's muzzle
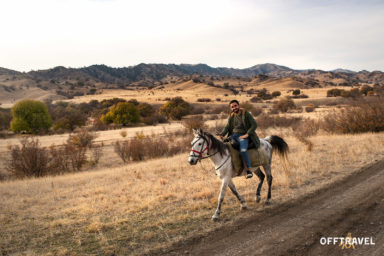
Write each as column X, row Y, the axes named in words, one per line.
column 192, row 160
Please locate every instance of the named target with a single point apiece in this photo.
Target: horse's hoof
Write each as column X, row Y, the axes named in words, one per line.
column 215, row 218
column 244, row 208
column 267, row 202
column 258, row 199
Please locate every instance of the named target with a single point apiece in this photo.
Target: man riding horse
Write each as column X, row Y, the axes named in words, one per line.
column 241, row 127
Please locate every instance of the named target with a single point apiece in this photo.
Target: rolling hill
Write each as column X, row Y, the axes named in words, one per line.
column 66, row 83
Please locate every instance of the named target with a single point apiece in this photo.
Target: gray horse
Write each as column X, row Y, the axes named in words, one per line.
column 205, row 145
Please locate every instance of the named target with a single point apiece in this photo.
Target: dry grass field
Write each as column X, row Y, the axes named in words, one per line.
column 132, row 209
column 136, row 208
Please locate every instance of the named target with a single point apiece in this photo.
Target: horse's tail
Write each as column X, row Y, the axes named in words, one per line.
column 281, row 147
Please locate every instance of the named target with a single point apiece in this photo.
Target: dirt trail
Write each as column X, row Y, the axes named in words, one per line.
column 355, row 205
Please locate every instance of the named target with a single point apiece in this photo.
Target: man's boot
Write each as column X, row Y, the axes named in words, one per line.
column 249, row 174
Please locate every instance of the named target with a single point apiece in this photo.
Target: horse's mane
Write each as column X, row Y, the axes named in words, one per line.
column 216, row 144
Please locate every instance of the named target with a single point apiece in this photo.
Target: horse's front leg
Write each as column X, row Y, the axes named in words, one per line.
column 224, row 184
column 238, row 196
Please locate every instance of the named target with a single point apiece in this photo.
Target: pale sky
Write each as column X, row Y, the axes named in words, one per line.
column 321, row 34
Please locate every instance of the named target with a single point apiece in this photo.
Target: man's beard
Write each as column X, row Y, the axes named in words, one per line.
column 236, row 110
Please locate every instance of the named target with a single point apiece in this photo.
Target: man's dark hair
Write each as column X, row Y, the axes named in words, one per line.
column 234, row 101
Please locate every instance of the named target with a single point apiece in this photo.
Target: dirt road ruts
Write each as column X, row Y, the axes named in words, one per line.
column 353, row 205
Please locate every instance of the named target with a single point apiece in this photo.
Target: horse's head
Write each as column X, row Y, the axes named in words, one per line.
column 200, row 147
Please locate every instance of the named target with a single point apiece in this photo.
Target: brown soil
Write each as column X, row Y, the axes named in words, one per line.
column 353, row 205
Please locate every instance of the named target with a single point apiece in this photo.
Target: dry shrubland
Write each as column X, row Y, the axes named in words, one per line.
column 144, row 147
column 148, row 205
column 364, row 115
column 145, row 203
column 30, row 159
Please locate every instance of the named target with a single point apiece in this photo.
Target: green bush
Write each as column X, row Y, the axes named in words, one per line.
column 145, row 110
column 176, row 108
column 123, row 113
column 30, row 116
column 296, row 92
column 68, row 118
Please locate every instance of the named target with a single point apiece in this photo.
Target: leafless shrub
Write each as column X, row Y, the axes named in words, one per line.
column 76, row 156
column 76, row 147
column 264, row 121
column 60, row 160
column 31, row 160
column 256, row 99
column 82, row 138
column 218, row 109
column 197, row 110
column 284, row 104
column 28, row 159
column 256, row 111
column 204, row 100
column 196, row 122
column 362, row 116
column 122, row 150
column 154, row 119
column 96, row 153
column 139, row 149
column 156, row 148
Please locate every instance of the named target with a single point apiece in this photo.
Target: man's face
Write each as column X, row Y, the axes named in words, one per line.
column 235, row 107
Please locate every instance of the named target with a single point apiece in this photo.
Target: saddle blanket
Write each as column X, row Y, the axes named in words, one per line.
column 257, row 156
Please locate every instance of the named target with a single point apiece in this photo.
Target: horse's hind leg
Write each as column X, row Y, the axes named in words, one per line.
column 267, row 169
column 261, row 176
column 239, row 197
column 224, row 185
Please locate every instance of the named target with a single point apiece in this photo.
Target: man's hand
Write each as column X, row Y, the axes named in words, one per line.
column 244, row 136
column 221, row 137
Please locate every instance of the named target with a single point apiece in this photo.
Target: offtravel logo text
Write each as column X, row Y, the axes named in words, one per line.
column 348, row 242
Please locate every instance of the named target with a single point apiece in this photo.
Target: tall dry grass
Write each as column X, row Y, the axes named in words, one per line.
column 131, row 209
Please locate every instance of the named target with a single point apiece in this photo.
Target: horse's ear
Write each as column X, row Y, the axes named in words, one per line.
column 200, row 131
column 194, row 131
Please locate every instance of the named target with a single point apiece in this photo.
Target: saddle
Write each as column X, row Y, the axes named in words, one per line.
column 236, row 145
column 257, row 156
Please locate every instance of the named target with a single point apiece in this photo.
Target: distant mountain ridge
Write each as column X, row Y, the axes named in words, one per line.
column 157, row 72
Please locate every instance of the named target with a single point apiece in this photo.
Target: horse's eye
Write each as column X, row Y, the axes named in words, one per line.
column 199, row 144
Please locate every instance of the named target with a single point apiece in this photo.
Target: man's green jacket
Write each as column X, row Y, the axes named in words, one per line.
column 249, row 124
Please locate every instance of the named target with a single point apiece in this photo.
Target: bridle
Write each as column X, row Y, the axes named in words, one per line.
column 200, row 156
